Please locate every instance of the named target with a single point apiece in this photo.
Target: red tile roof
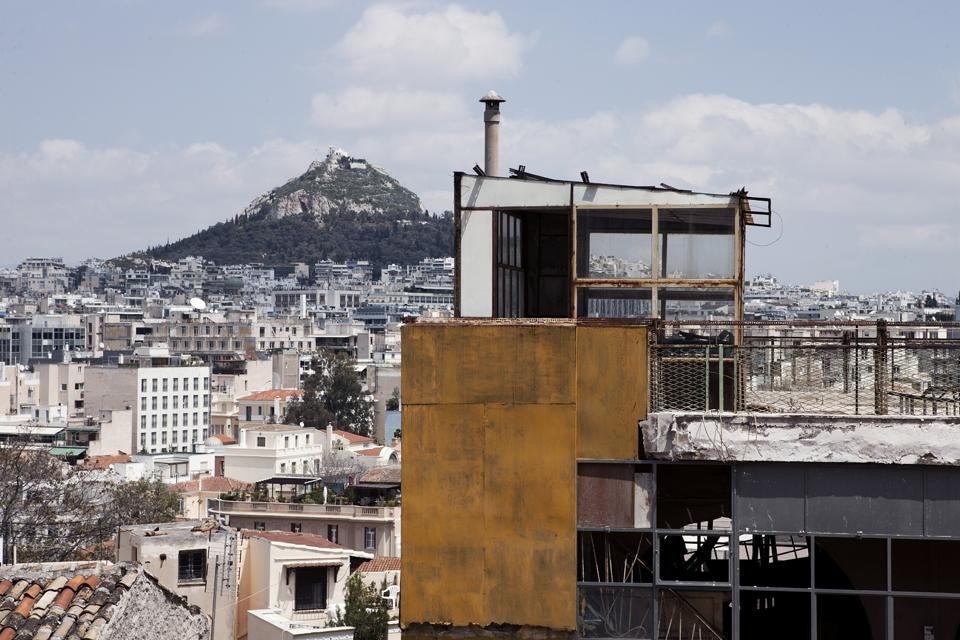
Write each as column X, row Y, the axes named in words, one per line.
column 271, row 394
column 370, row 452
column 303, row 539
column 224, row 438
column 352, row 438
column 60, row 607
column 211, row 483
column 380, row 563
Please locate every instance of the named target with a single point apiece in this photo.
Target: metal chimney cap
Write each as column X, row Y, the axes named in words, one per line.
column 491, row 98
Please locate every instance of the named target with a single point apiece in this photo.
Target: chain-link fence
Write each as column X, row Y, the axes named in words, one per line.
column 833, row 368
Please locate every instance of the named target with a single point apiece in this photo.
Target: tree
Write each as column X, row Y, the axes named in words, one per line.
column 51, row 512
column 393, row 402
column 332, row 394
column 364, row 610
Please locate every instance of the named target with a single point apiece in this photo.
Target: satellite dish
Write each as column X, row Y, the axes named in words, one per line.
column 198, row 304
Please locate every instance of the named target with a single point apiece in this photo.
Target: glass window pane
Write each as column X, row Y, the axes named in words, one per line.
column 851, row 563
column 614, row 244
column 926, row 565
column 712, row 303
column 595, row 302
column 621, row 612
column 697, row 243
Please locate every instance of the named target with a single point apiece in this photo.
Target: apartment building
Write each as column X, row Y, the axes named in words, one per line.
column 642, row 473
column 29, row 338
column 169, row 398
column 61, row 384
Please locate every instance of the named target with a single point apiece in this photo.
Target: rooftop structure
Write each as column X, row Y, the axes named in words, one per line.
column 618, row 454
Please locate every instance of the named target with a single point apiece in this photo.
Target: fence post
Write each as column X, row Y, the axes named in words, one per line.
column 856, row 369
column 880, row 369
column 845, row 350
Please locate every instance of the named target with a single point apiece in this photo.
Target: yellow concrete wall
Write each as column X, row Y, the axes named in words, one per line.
column 491, row 439
column 612, row 390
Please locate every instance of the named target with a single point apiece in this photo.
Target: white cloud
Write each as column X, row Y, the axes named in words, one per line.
column 397, row 41
column 632, row 50
column 866, row 196
column 366, row 108
column 210, row 25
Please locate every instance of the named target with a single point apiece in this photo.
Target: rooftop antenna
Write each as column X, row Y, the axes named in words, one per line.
column 491, row 132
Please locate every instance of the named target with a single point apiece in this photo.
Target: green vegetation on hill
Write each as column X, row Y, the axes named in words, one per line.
column 381, row 238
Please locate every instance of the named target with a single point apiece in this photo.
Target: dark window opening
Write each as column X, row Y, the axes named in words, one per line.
column 310, row 589
column 764, row 615
column 851, row 563
column 926, row 565
column 693, row 496
column 614, row 495
column 695, row 558
column 846, row 617
column 192, row 565
column 614, row 556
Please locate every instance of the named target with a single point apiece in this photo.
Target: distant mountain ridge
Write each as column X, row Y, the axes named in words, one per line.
column 341, row 208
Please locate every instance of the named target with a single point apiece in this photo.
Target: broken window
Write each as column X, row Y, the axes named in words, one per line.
column 774, row 561
column 614, row 612
column 694, row 558
column 694, row 614
column 614, row 556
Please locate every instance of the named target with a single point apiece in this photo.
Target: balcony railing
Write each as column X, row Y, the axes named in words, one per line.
column 830, row 368
column 320, row 510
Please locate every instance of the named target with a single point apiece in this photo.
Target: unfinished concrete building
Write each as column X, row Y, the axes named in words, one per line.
column 599, row 447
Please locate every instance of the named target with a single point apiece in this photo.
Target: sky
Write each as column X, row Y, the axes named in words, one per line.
column 128, row 123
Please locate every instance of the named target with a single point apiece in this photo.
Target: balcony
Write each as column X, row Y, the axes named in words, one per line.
column 843, row 368
column 326, row 511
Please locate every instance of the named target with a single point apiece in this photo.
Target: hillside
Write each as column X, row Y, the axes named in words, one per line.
column 341, row 208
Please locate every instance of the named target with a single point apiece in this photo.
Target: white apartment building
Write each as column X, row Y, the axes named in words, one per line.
column 267, row 450
column 170, row 403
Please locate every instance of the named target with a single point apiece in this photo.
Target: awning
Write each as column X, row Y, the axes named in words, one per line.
column 68, row 452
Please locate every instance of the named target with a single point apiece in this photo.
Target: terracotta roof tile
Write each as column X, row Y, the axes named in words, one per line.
column 374, row 452
column 270, row 394
column 352, row 438
column 104, row 462
column 380, row 563
column 304, row 539
column 61, row 607
column 211, row 483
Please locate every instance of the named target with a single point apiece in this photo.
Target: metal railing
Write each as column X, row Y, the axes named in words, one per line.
column 350, row 511
column 831, row 368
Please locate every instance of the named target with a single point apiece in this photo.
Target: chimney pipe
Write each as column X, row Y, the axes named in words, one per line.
column 491, row 132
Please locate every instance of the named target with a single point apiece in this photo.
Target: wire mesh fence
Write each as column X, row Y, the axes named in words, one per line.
column 854, row 369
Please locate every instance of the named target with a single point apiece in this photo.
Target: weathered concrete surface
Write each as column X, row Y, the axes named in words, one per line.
column 776, row 437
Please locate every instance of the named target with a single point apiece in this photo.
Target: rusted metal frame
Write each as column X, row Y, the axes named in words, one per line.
column 573, row 255
column 457, row 242
column 738, row 269
column 655, row 267
column 733, row 551
column 640, row 283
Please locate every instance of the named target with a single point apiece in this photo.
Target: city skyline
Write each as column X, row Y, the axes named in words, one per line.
column 136, row 123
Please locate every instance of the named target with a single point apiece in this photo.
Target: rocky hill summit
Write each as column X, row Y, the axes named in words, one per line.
column 339, row 183
column 341, row 208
